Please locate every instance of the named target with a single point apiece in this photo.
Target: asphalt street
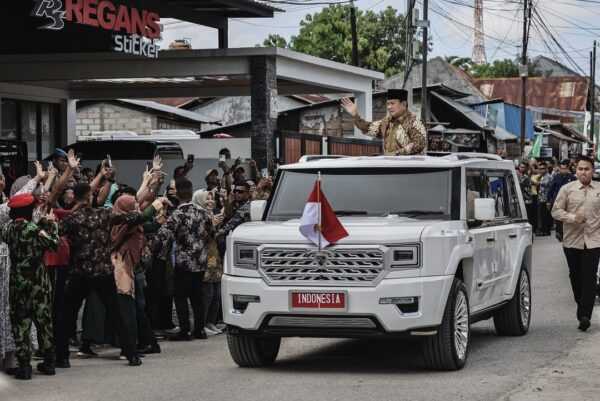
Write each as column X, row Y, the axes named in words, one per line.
column 327, row 369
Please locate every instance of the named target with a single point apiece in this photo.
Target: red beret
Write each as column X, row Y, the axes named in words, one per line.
column 22, row 200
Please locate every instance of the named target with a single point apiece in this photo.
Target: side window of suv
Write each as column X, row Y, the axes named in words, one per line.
column 497, row 190
column 515, row 207
column 475, row 189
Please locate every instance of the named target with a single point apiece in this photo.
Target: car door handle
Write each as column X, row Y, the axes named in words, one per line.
column 491, row 239
column 512, row 235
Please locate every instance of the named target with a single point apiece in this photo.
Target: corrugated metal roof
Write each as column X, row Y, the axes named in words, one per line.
column 562, row 93
column 172, row 110
column 500, row 133
column 172, row 101
column 509, row 117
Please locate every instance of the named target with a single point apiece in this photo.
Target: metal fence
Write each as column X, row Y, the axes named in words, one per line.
column 294, row 145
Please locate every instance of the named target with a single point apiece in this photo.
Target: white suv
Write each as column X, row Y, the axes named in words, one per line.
column 434, row 245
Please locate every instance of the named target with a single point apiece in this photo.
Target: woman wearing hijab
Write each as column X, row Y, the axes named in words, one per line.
column 211, row 285
column 128, row 242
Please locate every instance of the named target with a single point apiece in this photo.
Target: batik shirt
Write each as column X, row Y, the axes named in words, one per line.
column 525, row 183
column 406, row 134
column 28, row 242
column 186, row 226
column 88, row 231
column 543, row 193
column 240, row 214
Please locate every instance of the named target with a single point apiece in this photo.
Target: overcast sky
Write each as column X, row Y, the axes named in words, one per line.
column 572, row 23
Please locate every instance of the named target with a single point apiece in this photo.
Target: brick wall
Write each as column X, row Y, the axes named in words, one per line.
column 111, row 117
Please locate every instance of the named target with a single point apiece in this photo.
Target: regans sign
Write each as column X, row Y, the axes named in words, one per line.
column 135, row 30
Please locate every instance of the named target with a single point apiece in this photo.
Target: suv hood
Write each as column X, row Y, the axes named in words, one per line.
column 361, row 230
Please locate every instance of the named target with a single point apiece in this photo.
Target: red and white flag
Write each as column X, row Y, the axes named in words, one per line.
column 319, row 222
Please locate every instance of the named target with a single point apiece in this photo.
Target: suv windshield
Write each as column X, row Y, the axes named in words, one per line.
column 415, row 193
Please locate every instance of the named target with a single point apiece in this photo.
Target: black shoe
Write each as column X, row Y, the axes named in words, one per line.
column 47, row 367
column 200, row 336
column 584, row 323
column 62, row 363
column 23, row 371
column 74, row 343
column 181, row 336
column 38, row 355
column 150, row 349
column 135, row 360
column 85, row 351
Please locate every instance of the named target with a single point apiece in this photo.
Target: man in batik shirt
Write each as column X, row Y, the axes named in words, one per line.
column 543, row 197
column 186, row 226
column 402, row 132
column 29, row 284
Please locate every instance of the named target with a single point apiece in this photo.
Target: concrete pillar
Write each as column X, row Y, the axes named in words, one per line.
column 365, row 109
column 68, row 123
column 263, row 104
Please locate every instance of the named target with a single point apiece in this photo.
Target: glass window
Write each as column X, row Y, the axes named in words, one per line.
column 48, row 128
column 515, row 206
column 497, row 191
column 417, row 193
column 9, row 120
column 474, row 182
column 29, row 128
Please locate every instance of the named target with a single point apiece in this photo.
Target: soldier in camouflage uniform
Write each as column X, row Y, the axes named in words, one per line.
column 402, row 132
column 29, row 284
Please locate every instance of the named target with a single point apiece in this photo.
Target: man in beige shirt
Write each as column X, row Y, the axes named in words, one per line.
column 578, row 207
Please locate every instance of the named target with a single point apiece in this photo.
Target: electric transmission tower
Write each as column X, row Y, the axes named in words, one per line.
column 478, row 55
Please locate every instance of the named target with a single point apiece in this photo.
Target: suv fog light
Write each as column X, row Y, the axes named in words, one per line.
column 240, row 302
column 397, row 300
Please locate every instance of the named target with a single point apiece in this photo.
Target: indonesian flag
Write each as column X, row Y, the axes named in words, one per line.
column 319, row 222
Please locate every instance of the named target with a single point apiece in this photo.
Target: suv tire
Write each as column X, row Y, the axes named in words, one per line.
column 514, row 317
column 248, row 351
column 448, row 349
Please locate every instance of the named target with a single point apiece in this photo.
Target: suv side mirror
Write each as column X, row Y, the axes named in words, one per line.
column 257, row 209
column 485, row 209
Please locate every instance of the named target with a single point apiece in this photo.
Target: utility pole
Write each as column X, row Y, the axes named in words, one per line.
column 523, row 72
column 424, row 105
column 408, row 46
column 354, row 34
column 593, row 93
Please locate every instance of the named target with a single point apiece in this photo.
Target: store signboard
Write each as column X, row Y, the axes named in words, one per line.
column 81, row 26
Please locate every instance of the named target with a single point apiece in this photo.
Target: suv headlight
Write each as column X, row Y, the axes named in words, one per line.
column 245, row 256
column 405, row 256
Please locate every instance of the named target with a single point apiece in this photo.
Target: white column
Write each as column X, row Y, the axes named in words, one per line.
column 365, row 109
column 68, row 115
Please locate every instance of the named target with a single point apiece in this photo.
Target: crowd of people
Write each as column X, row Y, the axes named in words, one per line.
column 71, row 238
column 540, row 183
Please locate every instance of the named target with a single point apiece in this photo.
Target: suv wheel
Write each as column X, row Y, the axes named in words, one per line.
column 448, row 349
column 513, row 319
column 249, row 351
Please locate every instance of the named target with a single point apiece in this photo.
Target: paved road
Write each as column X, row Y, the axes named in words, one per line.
column 324, row 369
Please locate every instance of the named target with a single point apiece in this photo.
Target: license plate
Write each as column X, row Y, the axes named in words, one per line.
column 318, row 300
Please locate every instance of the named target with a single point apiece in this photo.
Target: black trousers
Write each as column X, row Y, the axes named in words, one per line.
column 583, row 265
column 159, row 301
column 188, row 285
column 545, row 219
column 76, row 290
column 211, row 300
column 58, row 279
column 144, row 330
column 531, row 215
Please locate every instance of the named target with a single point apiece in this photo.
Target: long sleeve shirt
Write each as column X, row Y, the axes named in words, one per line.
column 575, row 198
column 186, row 226
column 28, row 243
column 240, row 214
column 405, row 135
column 88, row 232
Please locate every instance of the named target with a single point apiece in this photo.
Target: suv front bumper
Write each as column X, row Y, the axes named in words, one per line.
column 273, row 315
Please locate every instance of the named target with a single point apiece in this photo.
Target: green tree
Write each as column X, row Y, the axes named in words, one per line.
column 274, row 40
column 497, row 69
column 327, row 34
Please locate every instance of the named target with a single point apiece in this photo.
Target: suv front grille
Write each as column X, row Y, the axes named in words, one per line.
column 341, row 267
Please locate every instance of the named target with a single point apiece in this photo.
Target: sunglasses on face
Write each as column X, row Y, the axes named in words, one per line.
column 239, row 191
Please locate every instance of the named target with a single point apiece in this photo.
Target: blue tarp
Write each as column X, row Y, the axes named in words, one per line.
column 509, row 117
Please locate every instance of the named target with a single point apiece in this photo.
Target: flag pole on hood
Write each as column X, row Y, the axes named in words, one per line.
column 318, row 228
